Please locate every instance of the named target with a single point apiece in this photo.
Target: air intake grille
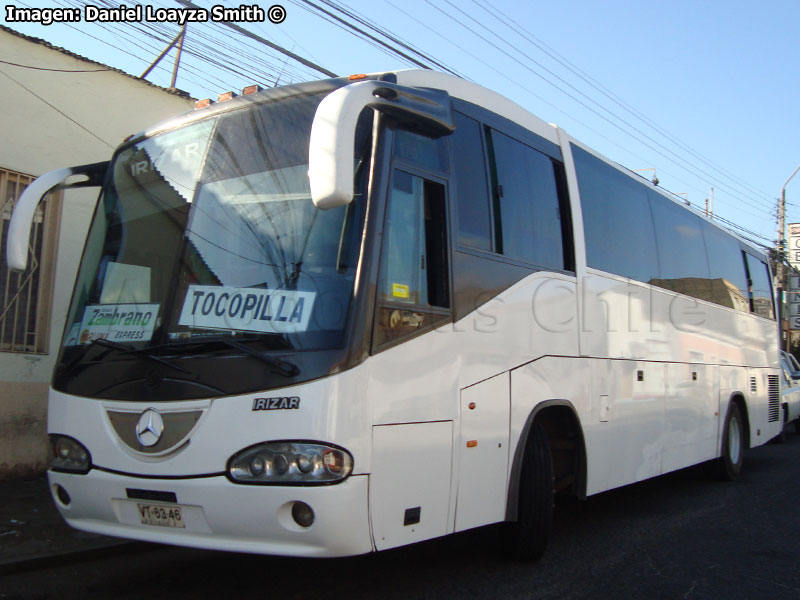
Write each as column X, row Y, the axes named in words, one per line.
column 774, row 410
column 753, row 385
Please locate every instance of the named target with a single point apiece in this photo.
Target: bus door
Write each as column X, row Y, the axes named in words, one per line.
column 413, row 384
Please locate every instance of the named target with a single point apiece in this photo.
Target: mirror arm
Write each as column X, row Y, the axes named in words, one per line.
column 332, row 141
column 19, row 230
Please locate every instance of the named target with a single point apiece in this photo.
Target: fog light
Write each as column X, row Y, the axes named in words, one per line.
column 62, row 495
column 302, row 514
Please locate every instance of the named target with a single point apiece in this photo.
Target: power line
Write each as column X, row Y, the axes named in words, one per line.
column 58, row 110
column 690, row 168
column 517, row 81
column 539, row 44
column 388, row 35
column 363, row 33
column 261, row 40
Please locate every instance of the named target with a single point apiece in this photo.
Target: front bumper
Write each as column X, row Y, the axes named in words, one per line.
column 220, row 515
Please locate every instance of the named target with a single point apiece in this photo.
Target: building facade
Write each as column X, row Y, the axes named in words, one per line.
column 59, row 109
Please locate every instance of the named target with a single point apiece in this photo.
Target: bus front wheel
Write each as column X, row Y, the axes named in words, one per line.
column 528, row 535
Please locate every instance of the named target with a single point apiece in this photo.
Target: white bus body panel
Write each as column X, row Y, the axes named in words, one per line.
column 411, row 472
column 484, row 453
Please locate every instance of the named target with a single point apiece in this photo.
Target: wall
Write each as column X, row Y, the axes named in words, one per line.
column 53, row 119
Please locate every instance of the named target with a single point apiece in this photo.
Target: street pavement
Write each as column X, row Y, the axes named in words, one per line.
column 31, row 530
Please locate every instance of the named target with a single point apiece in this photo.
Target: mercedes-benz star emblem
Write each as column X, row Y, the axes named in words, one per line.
column 149, row 427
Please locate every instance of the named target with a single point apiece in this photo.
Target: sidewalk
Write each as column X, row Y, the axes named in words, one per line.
column 31, row 529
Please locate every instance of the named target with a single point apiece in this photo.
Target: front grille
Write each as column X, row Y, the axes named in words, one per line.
column 774, row 410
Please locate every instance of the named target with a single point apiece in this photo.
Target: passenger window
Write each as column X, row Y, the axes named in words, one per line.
column 615, row 208
column 760, row 288
column 681, row 249
column 728, row 274
column 471, row 194
column 526, row 203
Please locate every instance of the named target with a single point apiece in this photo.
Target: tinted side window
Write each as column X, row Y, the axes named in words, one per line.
column 414, row 284
column 526, row 203
column 761, row 290
column 421, row 150
column 681, row 249
column 726, row 264
column 471, row 194
column 617, row 222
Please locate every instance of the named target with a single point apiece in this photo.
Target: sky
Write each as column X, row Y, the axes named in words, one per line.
column 704, row 92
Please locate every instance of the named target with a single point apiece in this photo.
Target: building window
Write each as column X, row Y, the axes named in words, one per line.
column 25, row 298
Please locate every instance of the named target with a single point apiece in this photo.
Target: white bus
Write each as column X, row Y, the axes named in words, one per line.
column 343, row 316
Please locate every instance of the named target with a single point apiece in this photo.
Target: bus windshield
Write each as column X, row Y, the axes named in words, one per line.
column 209, row 231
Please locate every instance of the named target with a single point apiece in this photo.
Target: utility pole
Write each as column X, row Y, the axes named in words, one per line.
column 779, row 268
column 178, row 57
column 175, row 40
column 782, row 254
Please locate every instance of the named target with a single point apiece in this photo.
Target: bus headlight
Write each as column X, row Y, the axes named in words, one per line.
column 298, row 463
column 68, row 455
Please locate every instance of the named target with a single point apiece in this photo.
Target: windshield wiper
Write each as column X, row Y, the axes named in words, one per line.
column 282, row 367
column 131, row 350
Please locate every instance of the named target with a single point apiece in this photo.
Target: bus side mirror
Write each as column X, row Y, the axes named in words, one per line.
column 332, row 142
column 19, row 230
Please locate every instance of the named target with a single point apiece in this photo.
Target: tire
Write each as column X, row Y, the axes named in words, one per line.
column 527, row 537
column 797, row 425
column 729, row 465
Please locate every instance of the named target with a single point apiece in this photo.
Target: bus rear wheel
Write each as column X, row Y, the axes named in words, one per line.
column 729, row 465
column 528, row 536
